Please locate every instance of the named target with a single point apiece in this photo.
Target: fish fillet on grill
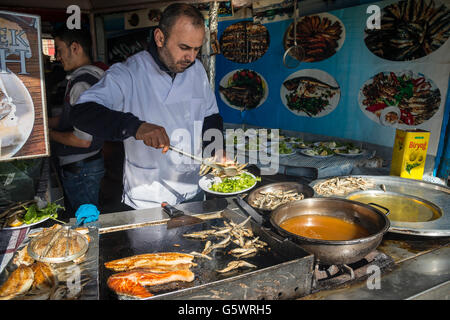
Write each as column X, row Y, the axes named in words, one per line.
column 44, row 276
column 19, row 282
column 165, row 261
column 131, row 283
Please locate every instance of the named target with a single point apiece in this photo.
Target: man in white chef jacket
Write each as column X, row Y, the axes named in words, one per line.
column 157, row 97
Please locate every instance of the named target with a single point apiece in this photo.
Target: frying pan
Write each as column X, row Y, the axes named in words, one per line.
column 306, row 190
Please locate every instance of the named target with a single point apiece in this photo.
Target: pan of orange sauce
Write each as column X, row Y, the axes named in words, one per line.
column 323, row 228
column 334, row 230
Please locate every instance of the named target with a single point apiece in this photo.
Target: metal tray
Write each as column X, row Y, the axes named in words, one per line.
column 283, row 272
column 88, row 269
column 435, row 194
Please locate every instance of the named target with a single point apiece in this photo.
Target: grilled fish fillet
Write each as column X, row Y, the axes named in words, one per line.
column 128, row 287
column 19, row 282
column 22, row 257
column 167, row 260
column 44, row 276
column 131, row 283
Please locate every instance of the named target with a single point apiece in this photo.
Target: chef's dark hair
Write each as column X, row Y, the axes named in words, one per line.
column 176, row 10
column 80, row 36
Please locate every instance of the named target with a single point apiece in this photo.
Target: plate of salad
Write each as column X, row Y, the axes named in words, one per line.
column 319, row 152
column 349, row 150
column 230, row 185
column 334, row 145
column 285, row 149
column 27, row 214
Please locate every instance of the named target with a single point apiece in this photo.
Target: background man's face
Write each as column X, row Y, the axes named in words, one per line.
column 64, row 54
column 181, row 48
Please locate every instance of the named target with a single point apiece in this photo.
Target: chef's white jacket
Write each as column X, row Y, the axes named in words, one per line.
column 139, row 86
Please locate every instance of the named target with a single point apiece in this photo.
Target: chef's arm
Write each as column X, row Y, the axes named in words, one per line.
column 69, row 139
column 53, row 122
column 107, row 124
column 102, row 122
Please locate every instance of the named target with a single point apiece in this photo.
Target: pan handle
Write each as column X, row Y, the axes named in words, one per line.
column 272, row 234
column 387, row 210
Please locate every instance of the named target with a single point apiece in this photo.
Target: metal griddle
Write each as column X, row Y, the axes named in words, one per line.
column 283, row 272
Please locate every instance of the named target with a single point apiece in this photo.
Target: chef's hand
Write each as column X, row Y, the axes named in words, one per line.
column 154, row 136
column 87, row 212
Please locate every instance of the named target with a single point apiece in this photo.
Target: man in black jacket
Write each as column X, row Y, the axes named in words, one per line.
column 79, row 154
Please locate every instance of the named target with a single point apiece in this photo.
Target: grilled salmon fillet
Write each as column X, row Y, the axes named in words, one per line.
column 170, row 261
column 19, row 282
column 131, row 283
column 128, row 286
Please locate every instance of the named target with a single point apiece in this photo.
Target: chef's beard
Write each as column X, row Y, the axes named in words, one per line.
column 173, row 66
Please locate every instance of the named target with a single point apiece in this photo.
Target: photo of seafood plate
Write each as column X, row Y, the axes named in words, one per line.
column 310, row 93
column 243, row 89
column 16, row 114
column 410, row 29
column 415, row 95
column 320, row 36
column 244, row 42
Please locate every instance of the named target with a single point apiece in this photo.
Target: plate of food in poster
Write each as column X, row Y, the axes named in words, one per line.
column 402, row 99
column 244, row 42
column 320, row 36
column 310, row 93
column 243, row 89
column 409, row 30
column 16, row 115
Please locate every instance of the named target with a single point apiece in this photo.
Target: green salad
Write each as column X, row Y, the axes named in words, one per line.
column 235, row 184
column 34, row 214
column 284, row 148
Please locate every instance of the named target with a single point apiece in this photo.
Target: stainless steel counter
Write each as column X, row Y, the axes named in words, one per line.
column 422, row 264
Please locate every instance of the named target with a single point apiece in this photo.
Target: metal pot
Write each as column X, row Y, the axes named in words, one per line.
column 335, row 251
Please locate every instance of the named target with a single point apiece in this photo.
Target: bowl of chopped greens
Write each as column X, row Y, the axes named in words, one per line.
column 230, row 185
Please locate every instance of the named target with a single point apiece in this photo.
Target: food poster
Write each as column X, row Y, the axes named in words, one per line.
column 360, row 84
column 23, row 127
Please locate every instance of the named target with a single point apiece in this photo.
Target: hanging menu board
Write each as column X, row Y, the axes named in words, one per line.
column 23, row 125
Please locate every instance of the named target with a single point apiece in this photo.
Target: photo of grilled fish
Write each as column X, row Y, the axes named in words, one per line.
column 410, row 29
column 293, row 84
column 320, row 36
column 310, row 92
column 244, row 42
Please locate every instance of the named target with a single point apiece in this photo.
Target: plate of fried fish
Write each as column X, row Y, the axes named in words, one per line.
column 310, row 93
column 243, row 89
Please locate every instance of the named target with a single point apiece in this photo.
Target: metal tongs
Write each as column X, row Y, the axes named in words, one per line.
column 229, row 171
